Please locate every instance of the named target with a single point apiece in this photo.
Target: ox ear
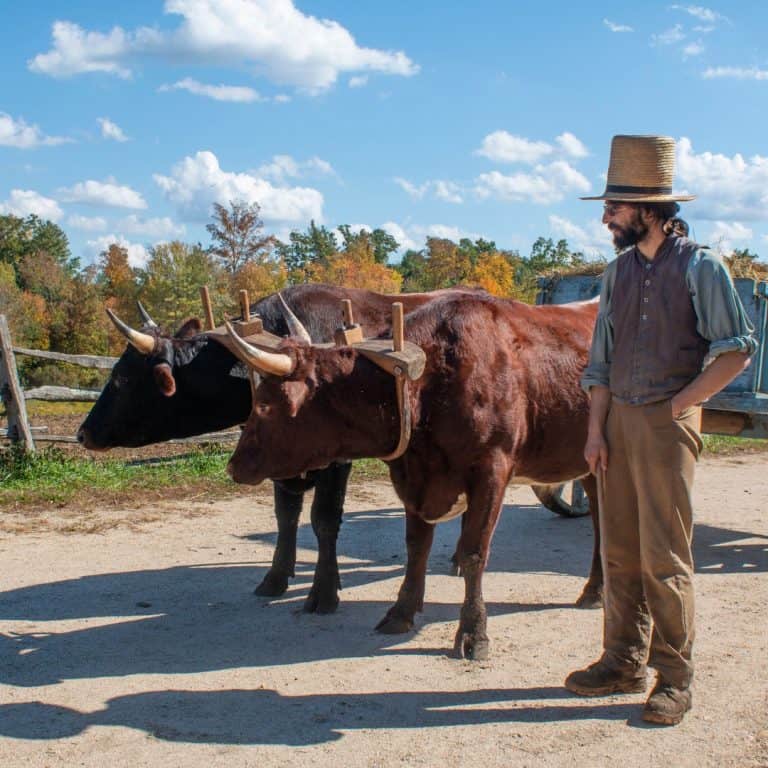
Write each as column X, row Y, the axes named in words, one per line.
column 190, row 328
column 164, row 379
column 296, row 393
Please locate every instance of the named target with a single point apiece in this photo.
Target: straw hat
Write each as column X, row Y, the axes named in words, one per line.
column 641, row 170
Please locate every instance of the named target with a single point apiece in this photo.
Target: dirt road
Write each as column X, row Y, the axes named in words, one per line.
column 143, row 645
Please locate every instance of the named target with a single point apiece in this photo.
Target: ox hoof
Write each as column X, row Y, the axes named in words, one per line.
column 591, row 597
column 394, row 625
column 471, row 648
column 273, row 585
column 316, row 603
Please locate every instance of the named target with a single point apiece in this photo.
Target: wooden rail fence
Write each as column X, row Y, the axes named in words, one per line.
column 14, row 397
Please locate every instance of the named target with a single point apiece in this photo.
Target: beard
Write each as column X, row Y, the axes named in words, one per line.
column 631, row 234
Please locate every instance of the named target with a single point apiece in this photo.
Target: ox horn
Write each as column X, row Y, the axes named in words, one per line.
column 294, row 324
column 275, row 363
column 143, row 342
column 145, row 318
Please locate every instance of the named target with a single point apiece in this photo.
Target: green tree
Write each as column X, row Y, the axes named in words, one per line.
column 315, row 245
column 237, row 234
column 21, row 238
column 170, row 283
column 380, row 243
column 547, row 256
column 413, row 268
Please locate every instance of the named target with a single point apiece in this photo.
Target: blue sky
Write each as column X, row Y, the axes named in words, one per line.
column 126, row 121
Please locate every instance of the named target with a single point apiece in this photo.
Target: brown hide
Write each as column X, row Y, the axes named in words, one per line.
column 502, row 378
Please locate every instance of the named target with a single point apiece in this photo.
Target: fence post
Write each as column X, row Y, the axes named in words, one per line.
column 11, row 392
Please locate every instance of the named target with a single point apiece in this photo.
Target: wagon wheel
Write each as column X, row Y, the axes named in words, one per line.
column 556, row 498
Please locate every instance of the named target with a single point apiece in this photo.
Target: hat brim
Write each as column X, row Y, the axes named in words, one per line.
column 629, row 197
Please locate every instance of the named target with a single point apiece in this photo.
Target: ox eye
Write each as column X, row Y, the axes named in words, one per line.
column 262, row 409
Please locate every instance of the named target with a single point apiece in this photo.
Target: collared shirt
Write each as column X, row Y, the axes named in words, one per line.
column 720, row 315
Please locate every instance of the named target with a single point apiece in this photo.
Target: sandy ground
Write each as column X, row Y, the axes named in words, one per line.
column 144, row 645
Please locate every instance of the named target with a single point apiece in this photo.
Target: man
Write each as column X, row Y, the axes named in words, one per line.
column 671, row 332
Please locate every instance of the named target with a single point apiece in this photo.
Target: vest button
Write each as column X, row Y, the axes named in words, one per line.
column 647, row 282
column 644, row 317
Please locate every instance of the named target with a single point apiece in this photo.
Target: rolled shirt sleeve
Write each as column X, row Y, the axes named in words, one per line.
column 597, row 372
column 721, row 317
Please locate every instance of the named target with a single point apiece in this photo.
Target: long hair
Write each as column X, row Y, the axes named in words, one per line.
column 666, row 213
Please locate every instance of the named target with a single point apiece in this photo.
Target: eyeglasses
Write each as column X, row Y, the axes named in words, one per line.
column 611, row 209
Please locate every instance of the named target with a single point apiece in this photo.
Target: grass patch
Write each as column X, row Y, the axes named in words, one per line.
column 53, row 477
column 369, row 469
column 727, row 445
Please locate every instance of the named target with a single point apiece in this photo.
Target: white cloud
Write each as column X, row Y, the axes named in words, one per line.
column 503, row 147
column 198, row 181
column 76, row 51
column 18, row 133
column 737, row 73
column 725, row 236
column 87, row 223
column 592, row 240
column 728, row 188
column 158, row 228
column 24, row 202
column 702, row 14
column 693, row 49
column 415, row 192
column 237, row 93
column 272, row 37
column 358, row 81
column 106, row 193
column 616, row 27
column 448, row 191
column 669, row 37
column 446, row 231
column 571, row 145
column 406, row 242
column 110, row 130
column 283, row 167
column 137, row 253
column 547, row 184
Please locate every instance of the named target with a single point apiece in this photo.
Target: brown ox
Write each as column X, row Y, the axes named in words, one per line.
column 499, row 402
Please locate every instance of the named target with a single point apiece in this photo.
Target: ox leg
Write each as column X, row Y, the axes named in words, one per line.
column 327, row 509
column 287, row 511
column 482, row 514
column 592, row 594
column 410, row 599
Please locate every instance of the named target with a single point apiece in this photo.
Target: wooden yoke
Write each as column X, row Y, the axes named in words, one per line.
column 249, row 328
column 350, row 333
column 403, row 360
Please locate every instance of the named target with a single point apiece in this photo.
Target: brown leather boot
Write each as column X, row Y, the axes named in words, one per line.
column 599, row 679
column 667, row 704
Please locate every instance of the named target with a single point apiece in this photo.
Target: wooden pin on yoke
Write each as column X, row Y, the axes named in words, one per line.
column 350, row 333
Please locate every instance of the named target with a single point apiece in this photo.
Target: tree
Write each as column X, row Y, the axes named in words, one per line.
column 118, row 284
column 259, row 279
column 21, row 238
column 546, row 256
column 237, row 235
column 170, row 283
column 305, row 248
column 356, row 267
column 493, row 272
column 412, row 267
column 380, row 243
column 446, row 265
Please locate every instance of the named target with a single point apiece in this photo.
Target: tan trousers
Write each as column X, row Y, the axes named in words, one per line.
column 646, row 524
